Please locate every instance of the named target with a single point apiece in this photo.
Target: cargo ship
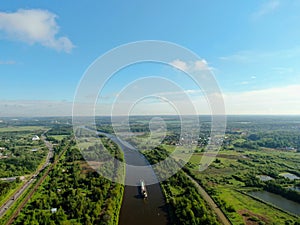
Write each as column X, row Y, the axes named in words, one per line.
column 143, row 189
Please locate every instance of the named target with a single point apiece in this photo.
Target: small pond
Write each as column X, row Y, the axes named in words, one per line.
column 289, row 176
column 264, row 177
column 278, row 201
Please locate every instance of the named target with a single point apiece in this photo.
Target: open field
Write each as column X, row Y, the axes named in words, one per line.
column 22, row 128
column 247, row 210
column 232, row 171
column 58, row 137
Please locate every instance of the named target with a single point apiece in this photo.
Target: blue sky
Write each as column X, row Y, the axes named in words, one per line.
column 252, row 47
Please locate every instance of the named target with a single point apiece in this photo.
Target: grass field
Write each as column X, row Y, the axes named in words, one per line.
column 58, row 137
column 247, row 209
column 240, row 208
column 21, row 128
column 84, row 143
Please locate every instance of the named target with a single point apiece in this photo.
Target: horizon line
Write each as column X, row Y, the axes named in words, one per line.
column 70, row 116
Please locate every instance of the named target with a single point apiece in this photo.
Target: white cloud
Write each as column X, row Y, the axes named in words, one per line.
column 31, row 108
column 250, row 56
column 283, row 70
column 193, row 91
column 199, row 65
column 265, row 9
column 8, row 62
column 34, row 26
column 277, row 101
column 179, row 64
column 244, row 57
column 244, row 82
column 280, row 100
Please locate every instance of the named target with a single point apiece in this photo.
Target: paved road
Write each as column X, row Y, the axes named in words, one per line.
column 15, row 196
column 50, row 153
column 221, row 216
column 19, row 192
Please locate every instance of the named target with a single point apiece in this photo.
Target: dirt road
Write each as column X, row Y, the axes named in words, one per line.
column 221, row 216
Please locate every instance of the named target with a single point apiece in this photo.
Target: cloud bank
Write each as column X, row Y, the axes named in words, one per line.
column 274, row 101
column 34, row 26
column 279, row 100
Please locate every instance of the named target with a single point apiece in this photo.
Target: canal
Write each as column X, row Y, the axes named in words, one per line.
column 136, row 210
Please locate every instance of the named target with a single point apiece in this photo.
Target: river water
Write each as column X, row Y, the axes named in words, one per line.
column 278, row 201
column 135, row 210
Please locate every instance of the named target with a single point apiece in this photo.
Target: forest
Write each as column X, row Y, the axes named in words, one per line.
column 74, row 193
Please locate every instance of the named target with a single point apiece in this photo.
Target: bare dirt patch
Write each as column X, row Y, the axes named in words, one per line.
column 89, row 167
column 251, row 218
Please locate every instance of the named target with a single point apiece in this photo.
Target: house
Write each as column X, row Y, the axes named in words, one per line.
column 289, row 148
column 53, row 210
column 36, row 138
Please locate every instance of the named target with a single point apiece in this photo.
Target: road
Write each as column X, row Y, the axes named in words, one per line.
column 15, row 196
column 221, row 216
column 22, row 189
column 50, row 153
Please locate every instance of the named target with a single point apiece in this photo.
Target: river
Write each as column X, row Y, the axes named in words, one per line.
column 135, row 210
column 278, row 201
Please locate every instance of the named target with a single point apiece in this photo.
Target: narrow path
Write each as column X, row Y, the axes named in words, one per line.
column 221, row 216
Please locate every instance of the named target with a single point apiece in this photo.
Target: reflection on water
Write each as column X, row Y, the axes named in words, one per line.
column 290, row 176
column 264, row 177
column 278, row 201
column 295, row 189
column 137, row 210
